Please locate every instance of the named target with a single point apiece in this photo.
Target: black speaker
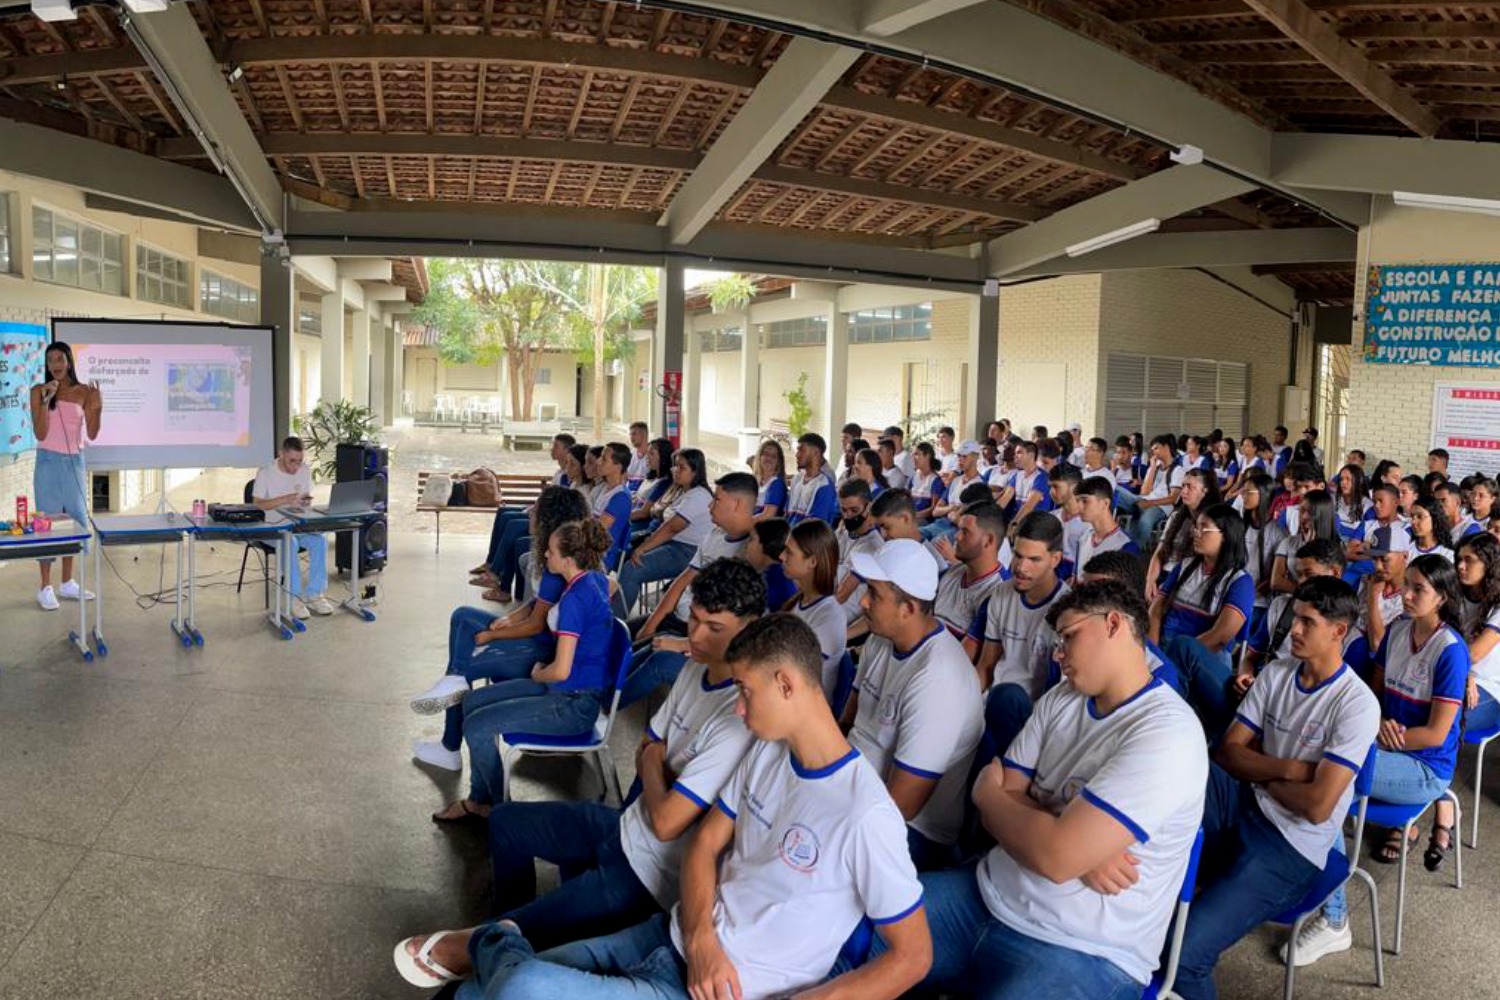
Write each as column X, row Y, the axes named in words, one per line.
column 357, row 463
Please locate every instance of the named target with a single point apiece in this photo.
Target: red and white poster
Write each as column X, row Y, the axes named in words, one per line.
column 1466, row 421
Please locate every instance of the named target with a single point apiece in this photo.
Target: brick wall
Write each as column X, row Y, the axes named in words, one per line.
column 1188, row 314
column 1050, row 323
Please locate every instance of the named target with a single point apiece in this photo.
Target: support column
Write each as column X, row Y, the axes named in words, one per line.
column 391, row 352
column 749, row 385
column 984, row 362
column 379, row 376
column 398, row 381
column 835, row 375
column 667, row 347
column 278, row 310
column 692, row 388
column 360, row 360
column 331, row 361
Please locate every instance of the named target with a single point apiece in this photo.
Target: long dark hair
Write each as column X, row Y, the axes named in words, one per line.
column 780, row 472
column 557, row 506
column 1263, row 484
column 1487, row 550
column 1442, row 532
column 1444, row 579
column 66, row 351
column 1182, row 518
column 1320, row 511
column 1359, row 490
column 1232, row 557
column 694, row 460
column 663, row 449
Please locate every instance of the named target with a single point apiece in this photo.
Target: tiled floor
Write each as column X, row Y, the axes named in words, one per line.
column 243, row 820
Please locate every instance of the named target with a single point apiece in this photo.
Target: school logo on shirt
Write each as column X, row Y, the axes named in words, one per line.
column 1314, row 735
column 800, row 848
column 888, row 709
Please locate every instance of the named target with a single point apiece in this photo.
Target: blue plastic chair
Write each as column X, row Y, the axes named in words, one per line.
column 593, row 744
column 1160, row 987
column 844, row 686
column 1338, row 870
column 1480, row 738
column 1403, row 818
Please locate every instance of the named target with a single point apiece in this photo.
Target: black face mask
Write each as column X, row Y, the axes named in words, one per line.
column 854, row 523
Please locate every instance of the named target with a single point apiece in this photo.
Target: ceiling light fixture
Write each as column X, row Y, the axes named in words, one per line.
column 1111, row 238
column 1188, row 156
column 1446, row 203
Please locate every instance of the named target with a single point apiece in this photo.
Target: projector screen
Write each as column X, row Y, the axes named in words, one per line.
column 176, row 395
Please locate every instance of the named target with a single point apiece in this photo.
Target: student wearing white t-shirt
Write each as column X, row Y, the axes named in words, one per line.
column 947, row 457
column 945, row 510
column 1271, row 637
column 640, row 455
column 811, row 559
column 1478, row 566
column 1096, row 509
column 685, row 524
column 1160, row 487
column 1063, row 482
column 1380, row 600
column 964, row 587
column 802, row 844
column 857, row 532
column 1094, row 811
column 287, row 482
column 1281, row 786
column 914, row 713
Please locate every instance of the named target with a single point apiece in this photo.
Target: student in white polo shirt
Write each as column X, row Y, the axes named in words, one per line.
column 964, row 587
column 1096, row 508
column 1094, row 812
column 1380, row 600
column 945, row 511
column 1063, row 482
column 914, row 713
column 1281, row 784
column 1271, row 637
column 802, row 843
column 811, row 559
column 857, row 531
column 811, row 492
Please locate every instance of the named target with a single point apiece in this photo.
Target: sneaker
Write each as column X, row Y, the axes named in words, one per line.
column 47, row 599
column 434, row 754
column 443, row 695
column 1319, row 938
column 320, row 605
column 70, row 591
column 299, row 610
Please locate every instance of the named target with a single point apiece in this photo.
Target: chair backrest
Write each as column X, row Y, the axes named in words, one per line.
column 1179, row 920
column 619, row 655
column 250, row 491
column 1364, row 781
column 844, row 686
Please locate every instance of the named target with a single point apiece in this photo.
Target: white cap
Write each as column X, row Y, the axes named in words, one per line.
column 903, row 562
column 1076, row 427
column 970, row 448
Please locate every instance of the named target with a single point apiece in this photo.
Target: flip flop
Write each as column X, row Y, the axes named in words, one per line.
column 412, row 968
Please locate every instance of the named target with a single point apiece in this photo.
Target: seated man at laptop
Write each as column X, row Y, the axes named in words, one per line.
column 287, row 482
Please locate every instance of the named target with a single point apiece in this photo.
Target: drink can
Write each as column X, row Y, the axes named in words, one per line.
column 22, row 509
column 199, row 508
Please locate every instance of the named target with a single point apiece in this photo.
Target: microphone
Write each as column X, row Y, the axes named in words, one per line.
column 51, row 396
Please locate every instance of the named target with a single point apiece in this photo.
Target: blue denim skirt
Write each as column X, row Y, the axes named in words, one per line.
column 58, row 486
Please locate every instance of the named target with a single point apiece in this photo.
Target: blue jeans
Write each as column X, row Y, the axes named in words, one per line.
column 976, row 955
column 600, row 893
column 316, row 547
column 938, row 528
column 665, row 562
column 521, row 706
column 1006, row 709
column 503, row 517
column 1249, row 874
column 1485, row 714
column 1146, row 520
column 635, row 964
column 1206, row 675
column 1402, row 779
column 508, row 659
column 655, row 668
column 515, row 538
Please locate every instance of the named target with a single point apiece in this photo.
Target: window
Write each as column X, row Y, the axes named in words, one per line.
column 889, row 326
column 69, row 252
column 713, row 341
column 811, row 331
column 4, row 233
column 310, row 320
column 1159, row 395
column 227, row 298
column 543, row 376
column 161, row 278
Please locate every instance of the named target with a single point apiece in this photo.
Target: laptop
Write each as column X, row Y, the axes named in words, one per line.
column 354, row 497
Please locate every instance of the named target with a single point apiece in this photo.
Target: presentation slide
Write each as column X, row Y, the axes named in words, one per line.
column 176, row 395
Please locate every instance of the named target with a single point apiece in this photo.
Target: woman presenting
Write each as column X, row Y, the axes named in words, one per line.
column 63, row 410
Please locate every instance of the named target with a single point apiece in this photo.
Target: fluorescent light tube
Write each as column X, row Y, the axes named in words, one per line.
column 1446, row 202
column 1110, row 239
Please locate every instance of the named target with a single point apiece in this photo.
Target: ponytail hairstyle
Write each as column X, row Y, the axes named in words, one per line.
column 585, row 542
column 1444, row 579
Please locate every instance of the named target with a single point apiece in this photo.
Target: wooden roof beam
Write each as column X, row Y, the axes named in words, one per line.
column 1303, row 26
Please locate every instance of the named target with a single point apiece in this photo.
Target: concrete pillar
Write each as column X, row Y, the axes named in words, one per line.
column 984, row 363
column 692, row 388
column 749, row 385
column 667, row 352
column 398, row 380
column 380, row 336
column 278, row 310
column 331, row 362
column 360, row 360
column 835, row 376
column 391, row 354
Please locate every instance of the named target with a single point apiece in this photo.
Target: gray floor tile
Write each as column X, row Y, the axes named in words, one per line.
column 31, row 872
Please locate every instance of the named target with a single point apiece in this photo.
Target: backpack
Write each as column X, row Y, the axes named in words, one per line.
column 436, row 490
column 484, row 489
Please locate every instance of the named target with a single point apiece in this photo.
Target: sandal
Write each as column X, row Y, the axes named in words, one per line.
column 1389, row 852
column 470, row 814
column 483, row 580
column 481, row 568
column 1432, row 858
column 497, row 595
column 422, row 969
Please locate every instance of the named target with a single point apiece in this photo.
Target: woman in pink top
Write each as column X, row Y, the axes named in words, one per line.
column 63, row 411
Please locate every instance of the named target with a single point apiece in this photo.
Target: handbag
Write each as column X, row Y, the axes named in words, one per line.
column 438, row 489
column 484, row 489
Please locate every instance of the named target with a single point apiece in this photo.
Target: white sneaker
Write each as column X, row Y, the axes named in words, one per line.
column 434, row 754
column 70, row 591
column 443, row 695
column 1319, row 938
column 320, row 605
column 47, row 599
column 299, row 610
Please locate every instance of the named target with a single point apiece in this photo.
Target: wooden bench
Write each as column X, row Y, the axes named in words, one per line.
column 516, row 490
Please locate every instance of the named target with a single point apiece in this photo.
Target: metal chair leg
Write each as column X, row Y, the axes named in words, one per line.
column 1478, row 786
column 1291, row 956
column 1401, row 887
column 1374, row 893
column 1457, row 837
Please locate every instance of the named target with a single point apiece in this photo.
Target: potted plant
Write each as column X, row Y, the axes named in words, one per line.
column 329, row 425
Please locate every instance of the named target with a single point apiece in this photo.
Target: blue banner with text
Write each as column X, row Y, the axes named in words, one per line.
column 23, row 348
column 1433, row 314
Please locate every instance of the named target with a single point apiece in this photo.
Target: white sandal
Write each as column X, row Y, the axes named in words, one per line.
column 415, row 968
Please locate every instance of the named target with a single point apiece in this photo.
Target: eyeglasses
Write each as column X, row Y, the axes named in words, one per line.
column 1206, row 529
column 1061, row 640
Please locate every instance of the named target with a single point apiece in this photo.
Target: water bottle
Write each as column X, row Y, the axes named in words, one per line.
column 22, row 509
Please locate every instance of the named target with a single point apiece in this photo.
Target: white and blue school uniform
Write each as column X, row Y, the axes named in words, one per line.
column 959, row 484
column 869, row 543
column 1227, row 473
column 1417, row 677
column 1283, row 457
column 692, row 507
column 717, row 545
column 1028, row 485
column 925, row 490
column 583, row 613
column 1165, row 481
column 1356, row 646
column 1075, row 529
column 638, row 469
column 1335, row 720
column 1102, row 473
column 1193, row 609
column 1487, row 670
column 705, row 740
column 1434, row 550
column 831, row 625
column 616, row 503
column 1025, row 639
column 1392, row 604
column 772, row 493
column 1465, row 527
column 1145, row 766
column 1089, row 547
column 947, row 462
column 894, row 478
column 815, row 850
column 920, row 711
column 1189, row 464
column 960, row 601
column 812, row 497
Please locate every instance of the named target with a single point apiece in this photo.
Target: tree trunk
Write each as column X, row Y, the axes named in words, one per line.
column 528, row 378
column 513, row 368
